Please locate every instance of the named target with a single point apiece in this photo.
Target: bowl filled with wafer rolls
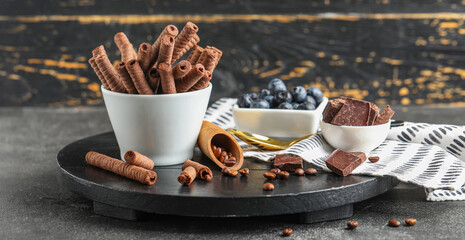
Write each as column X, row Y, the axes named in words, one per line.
column 156, row 97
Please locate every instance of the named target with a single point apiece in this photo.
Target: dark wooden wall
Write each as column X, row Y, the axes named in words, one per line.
column 388, row 51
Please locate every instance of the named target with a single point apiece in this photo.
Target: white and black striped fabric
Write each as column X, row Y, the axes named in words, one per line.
column 423, row 154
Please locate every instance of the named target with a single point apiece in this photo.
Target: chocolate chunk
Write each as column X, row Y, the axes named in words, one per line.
column 343, row 163
column 331, row 109
column 287, row 163
column 374, row 112
column 354, row 112
column 385, row 115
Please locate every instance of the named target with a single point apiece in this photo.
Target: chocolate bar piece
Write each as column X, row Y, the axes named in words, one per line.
column 385, row 115
column 343, row 163
column 374, row 112
column 354, row 112
column 287, row 163
column 332, row 108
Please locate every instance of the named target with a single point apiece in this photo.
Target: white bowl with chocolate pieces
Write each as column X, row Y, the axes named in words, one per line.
column 355, row 125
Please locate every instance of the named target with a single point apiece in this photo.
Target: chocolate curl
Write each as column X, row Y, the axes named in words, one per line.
column 138, row 77
column 144, row 56
column 166, row 50
column 203, row 82
column 167, row 79
column 181, row 69
column 109, row 73
column 191, row 78
column 184, row 40
column 219, row 52
column 135, row 158
column 169, row 30
column 125, row 47
column 99, row 73
column 121, row 168
column 195, row 54
column 203, row 172
column 187, row 176
column 100, row 50
column 125, row 78
column 154, row 79
column 208, row 59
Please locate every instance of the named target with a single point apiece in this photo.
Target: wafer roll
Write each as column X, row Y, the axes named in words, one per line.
column 135, row 158
column 99, row 73
column 184, row 40
column 100, row 50
column 181, row 69
column 169, row 30
column 125, row 47
column 167, row 79
column 138, row 77
column 219, row 52
column 203, row 172
column 208, row 59
column 125, row 78
column 109, row 73
column 121, row 168
column 144, row 56
column 153, row 78
column 203, row 82
column 166, row 50
column 192, row 77
column 195, row 54
column 187, row 176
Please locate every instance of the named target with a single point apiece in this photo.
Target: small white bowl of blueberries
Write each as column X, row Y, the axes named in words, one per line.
column 278, row 112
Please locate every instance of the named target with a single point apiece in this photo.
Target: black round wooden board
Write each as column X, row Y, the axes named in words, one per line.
column 322, row 197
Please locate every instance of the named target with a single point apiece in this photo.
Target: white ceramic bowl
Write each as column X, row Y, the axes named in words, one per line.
column 355, row 138
column 163, row 127
column 278, row 122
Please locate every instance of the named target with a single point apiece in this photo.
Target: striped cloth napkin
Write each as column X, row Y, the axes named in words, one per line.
column 427, row 155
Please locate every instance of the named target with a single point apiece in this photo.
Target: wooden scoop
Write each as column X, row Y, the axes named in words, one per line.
column 210, row 134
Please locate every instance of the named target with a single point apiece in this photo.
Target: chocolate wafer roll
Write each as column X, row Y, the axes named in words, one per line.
column 121, row 168
column 109, row 73
column 166, row 50
column 125, row 47
column 187, row 176
column 169, row 30
column 99, row 73
column 125, row 78
column 183, row 41
column 203, row 82
column 195, row 54
column 167, row 79
column 100, row 50
column 144, row 56
column 181, row 69
column 138, row 77
column 153, row 78
column 185, row 83
column 135, row 158
column 208, row 59
column 219, row 52
column 203, row 172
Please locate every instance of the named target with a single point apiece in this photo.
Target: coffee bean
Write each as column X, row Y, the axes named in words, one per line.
column 275, row 170
column 225, row 170
column 410, row 221
column 299, row 172
column 232, row 173
column 268, row 187
column 287, row 232
column 217, row 152
column 394, row 223
column 244, row 171
column 311, row 171
column 230, row 161
column 373, row 159
column 214, row 147
column 269, row 175
column 229, row 154
column 283, row 175
column 352, row 224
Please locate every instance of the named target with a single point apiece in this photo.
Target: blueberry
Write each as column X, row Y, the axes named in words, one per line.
column 299, row 94
column 254, row 96
column 260, row 104
column 310, row 99
column 316, row 93
column 263, row 93
column 285, row 105
column 276, row 85
column 306, row 106
column 295, row 105
column 244, row 101
column 269, row 99
column 282, row 96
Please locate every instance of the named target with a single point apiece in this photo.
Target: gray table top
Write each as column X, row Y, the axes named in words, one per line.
column 33, row 203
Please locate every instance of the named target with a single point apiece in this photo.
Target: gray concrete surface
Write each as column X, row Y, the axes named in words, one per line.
column 34, row 205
